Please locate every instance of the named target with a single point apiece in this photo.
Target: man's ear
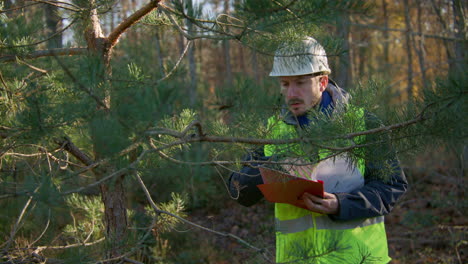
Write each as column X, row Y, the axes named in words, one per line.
column 323, row 82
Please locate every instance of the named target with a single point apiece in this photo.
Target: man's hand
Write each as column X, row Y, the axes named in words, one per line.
column 327, row 205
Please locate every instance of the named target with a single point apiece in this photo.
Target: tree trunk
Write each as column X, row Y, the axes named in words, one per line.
column 113, row 193
column 53, row 25
column 227, row 52
column 447, row 44
column 159, row 54
column 386, row 37
column 191, row 58
column 256, row 73
column 420, row 49
column 459, row 8
column 409, row 52
column 344, row 71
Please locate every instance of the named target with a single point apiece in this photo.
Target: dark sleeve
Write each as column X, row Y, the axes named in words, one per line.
column 243, row 184
column 375, row 198
column 384, row 184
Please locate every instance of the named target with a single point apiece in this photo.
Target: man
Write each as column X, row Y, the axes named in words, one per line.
column 347, row 224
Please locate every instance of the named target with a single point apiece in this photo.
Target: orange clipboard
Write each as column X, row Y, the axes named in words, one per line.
column 280, row 187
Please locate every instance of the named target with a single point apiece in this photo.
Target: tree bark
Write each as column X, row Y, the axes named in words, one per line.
column 227, row 51
column 447, row 44
column 386, row 37
column 255, row 70
column 53, row 25
column 344, row 71
column 191, row 58
column 409, row 51
column 112, row 193
column 159, row 54
column 459, row 9
column 419, row 47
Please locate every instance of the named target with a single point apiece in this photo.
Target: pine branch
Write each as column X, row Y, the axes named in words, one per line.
column 16, row 226
column 190, row 36
column 17, row 7
column 130, row 21
column 66, row 144
column 44, row 40
column 159, row 211
column 59, row 4
column 46, row 53
column 177, row 63
column 98, row 100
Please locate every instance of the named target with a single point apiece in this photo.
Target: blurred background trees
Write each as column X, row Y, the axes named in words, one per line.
column 121, row 119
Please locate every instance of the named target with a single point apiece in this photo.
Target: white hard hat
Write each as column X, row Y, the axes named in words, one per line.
column 306, row 58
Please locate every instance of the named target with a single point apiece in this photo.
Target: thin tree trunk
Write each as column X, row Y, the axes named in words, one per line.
column 159, row 53
column 191, row 58
column 447, row 44
column 256, row 73
column 343, row 75
column 53, row 25
column 409, row 51
column 459, row 9
column 227, row 51
column 386, row 37
column 420, row 49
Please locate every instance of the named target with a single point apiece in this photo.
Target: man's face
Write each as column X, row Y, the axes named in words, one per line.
column 302, row 92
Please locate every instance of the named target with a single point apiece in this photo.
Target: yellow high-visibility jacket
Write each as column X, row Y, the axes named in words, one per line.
column 303, row 236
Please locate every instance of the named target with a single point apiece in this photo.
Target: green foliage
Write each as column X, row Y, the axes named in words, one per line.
column 87, row 213
column 37, row 109
column 176, row 206
column 156, row 18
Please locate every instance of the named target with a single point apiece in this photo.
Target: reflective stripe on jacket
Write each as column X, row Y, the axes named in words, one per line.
column 303, row 236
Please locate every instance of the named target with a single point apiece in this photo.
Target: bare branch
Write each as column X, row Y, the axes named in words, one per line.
column 131, row 20
column 17, row 223
column 59, row 4
column 44, row 231
column 17, row 7
column 177, row 63
column 75, row 151
column 32, row 67
column 46, row 53
column 192, row 37
column 41, row 248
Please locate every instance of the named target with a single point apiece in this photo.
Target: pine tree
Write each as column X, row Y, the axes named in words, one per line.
column 92, row 129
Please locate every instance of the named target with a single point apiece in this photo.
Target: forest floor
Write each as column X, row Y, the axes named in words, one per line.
column 428, row 225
